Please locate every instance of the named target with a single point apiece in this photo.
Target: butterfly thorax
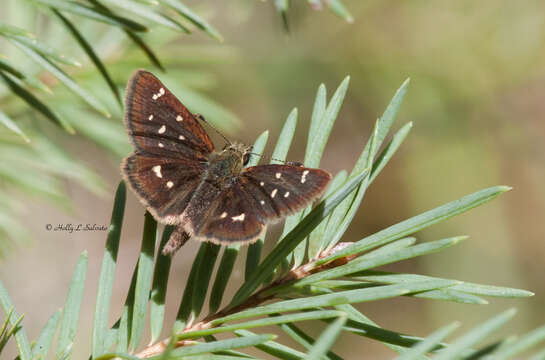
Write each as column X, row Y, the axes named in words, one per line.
column 226, row 165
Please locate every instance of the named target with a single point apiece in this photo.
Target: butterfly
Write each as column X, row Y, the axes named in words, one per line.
column 209, row 195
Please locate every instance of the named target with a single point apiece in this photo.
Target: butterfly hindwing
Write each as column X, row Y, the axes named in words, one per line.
column 163, row 184
column 280, row 190
column 159, row 123
column 232, row 219
column 261, row 194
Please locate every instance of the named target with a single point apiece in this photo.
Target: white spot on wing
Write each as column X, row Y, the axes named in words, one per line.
column 159, row 94
column 181, row 137
column 304, row 176
column 162, row 129
column 179, row 118
column 223, row 215
column 273, row 194
column 262, row 183
column 239, row 217
column 161, row 145
column 287, row 194
column 157, row 170
column 170, row 184
column 150, row 117
column 278, row 175
column 262, row 202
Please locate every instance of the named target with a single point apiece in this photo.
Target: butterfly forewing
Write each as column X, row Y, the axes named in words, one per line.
column 280, row 190
column 159, row 123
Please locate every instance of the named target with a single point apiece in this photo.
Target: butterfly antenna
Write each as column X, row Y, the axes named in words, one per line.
column 282, row 161
column 260, row 155
column 199, row 117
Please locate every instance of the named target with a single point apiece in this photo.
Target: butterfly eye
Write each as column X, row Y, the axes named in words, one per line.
column 246, row 159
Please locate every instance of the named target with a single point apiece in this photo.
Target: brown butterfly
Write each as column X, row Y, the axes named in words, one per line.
column 208, row 194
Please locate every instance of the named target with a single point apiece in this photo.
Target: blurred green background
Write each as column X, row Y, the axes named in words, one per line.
column 477, row 74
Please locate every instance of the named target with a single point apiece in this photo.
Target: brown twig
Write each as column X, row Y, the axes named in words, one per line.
column 265, row 294
column 251, row 302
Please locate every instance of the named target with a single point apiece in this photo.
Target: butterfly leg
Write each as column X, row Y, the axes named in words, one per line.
column 177, row 239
